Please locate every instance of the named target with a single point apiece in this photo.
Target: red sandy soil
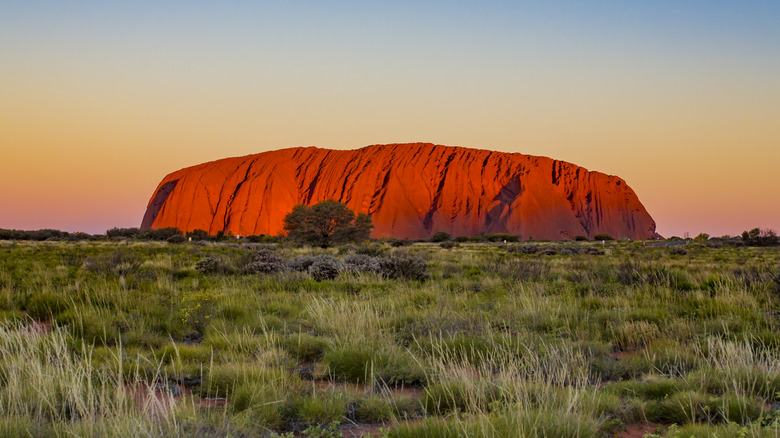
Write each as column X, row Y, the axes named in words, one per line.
column 638, row 430
column 409, row 190
column 155, row 398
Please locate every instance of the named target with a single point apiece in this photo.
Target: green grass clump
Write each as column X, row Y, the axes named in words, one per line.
column 366, row 363
column 305, row 347
column 374, row 409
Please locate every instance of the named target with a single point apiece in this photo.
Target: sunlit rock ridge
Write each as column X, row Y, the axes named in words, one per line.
column 409, row 190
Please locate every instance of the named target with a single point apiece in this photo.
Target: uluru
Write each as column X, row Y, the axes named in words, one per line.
column 410, row 191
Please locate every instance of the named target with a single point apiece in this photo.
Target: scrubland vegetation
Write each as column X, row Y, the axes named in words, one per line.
column 438, row 339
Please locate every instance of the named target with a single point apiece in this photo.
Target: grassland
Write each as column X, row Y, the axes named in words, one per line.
column 124, row 339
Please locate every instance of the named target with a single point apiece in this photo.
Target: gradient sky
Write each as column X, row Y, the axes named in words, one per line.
column 98, row 102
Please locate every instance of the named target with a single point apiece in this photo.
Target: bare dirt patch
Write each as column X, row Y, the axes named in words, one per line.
column 639, row 430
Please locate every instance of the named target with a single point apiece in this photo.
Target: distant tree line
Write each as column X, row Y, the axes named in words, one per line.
column 44, row 235
column 332, row 223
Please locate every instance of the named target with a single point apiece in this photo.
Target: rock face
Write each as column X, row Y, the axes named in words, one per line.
column 409, row 190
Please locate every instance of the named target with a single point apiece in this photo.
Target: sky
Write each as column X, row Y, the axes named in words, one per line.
column 100, row 100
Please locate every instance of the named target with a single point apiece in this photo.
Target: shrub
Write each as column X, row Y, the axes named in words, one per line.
column 592, row 250
column 404, row 265
column 265, row 261
column 300, row 263
column 127, row 233
column 160, row 233
column 447, row 245
column 324, row 267
column 440, row 236
column 213, row 265
column 603, row 236
column 523, row 249
column 400, row 242
column 356, row 263
column 178, row 238
column 371, row 249
column 759, row 237
column 678, row 251
column 581, row 238
column 500, row 237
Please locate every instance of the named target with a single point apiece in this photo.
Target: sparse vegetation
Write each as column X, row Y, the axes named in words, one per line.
column 145, row 337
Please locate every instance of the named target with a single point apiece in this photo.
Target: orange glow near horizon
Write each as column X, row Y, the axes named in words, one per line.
column 90, row 123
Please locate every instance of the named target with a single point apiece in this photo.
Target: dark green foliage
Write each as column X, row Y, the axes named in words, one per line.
column 178, row 238
column 41, row 235
column 759, row 237
column 603, row 236
column 500, row 237
column 440, row 236
column 326, row 223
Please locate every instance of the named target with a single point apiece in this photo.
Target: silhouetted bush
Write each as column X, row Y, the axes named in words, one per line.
column 603, row 236
column 198, row 234
column 400, row 242
column 500, row 237
column 678, row 251
column 127, row 233
column 160, row 233
column 176, row 239
column 581, row 238
column 440, row 236
column 759, row 237
column 37, row 235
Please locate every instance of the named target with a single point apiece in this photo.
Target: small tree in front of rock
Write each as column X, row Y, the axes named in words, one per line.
column 325, row 224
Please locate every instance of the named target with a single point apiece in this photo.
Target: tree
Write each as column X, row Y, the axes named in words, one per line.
column 326, row 223
column 759, row 237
